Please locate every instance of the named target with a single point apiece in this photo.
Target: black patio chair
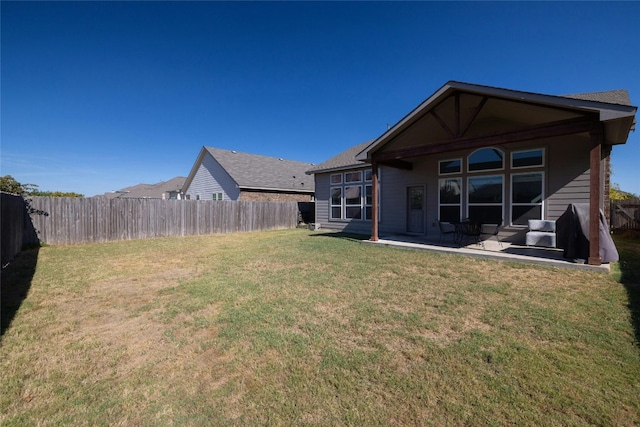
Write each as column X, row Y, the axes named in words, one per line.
column 446, row 228
column 468, row 230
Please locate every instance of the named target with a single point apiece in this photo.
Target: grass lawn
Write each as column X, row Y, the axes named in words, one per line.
column 294, row 328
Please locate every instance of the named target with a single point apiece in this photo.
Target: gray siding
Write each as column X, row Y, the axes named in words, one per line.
column 322, row 186
column 567, row 174
column 566, row 177
column 212, row 178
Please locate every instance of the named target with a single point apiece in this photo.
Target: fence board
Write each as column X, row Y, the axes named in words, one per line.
column 625, row 214
column 97, row 219
column 12, row 221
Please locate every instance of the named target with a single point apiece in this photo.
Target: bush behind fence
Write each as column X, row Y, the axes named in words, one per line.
column 98, row 219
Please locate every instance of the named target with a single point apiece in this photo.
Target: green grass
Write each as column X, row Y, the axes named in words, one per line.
column 298, row 328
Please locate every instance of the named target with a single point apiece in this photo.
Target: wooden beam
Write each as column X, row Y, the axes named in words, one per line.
column 443, row 124
column 563, row 127
column 595, row 159
column 374, row 202
column 474, row 115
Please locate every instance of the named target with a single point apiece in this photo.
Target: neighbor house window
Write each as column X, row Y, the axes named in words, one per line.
column 217, row 196
column 485, row 198
column 450, row 199
column 486, row 159
column 527, row 158
column 526, row 197
column 336, row 178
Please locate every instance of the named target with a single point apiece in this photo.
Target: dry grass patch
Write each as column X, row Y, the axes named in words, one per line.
column 299, row 328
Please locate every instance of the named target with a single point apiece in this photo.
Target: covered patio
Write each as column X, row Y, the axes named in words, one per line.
column 488, row 249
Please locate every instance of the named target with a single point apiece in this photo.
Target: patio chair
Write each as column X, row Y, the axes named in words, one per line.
column 490, row 230
column 467, row 230
column 446, row 228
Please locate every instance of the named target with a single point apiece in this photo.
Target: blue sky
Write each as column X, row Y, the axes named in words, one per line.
column 97, row 96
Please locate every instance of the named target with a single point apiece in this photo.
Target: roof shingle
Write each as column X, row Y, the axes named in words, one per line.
column 262, row 172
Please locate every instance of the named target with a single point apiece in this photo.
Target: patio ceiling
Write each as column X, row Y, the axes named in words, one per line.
column 464, row 116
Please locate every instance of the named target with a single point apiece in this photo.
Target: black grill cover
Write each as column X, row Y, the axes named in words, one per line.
column 572, row 234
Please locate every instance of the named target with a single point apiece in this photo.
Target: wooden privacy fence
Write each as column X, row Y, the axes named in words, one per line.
column 625, row 214
column 13, row 220
column 78, row 220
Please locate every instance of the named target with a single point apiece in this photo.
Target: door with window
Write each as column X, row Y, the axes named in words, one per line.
column 415, row 209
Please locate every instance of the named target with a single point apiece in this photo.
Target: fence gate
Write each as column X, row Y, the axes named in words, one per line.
column 625, row 214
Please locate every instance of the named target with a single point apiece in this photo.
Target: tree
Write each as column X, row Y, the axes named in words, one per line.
column 8, row 184
column 615, row 193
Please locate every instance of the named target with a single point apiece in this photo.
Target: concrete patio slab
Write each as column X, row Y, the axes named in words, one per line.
column 490, row 249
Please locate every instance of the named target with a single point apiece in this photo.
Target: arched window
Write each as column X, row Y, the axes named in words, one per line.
column 486, row 159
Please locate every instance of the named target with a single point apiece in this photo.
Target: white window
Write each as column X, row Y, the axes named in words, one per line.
column 484, row 196
column 353, row 202
column 353, row 176
column 450, row 199
column 486, row 159
column 350, row 200
column 217, row 196
column 526, row 197
column 448, row 167
column 527, row 158
column 336, row 203
column 368, row 201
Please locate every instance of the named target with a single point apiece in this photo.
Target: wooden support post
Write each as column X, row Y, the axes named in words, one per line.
column 594, row 195
column 374, row 203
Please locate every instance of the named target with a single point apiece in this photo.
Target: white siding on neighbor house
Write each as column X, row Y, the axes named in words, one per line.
column 211, row 178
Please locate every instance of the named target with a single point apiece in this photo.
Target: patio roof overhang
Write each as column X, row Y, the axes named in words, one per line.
column 462, row 116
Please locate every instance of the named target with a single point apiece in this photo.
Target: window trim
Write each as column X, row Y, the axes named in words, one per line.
column 502, row 195
column 363, row 184
column 485, row 170
column 542, row 196
column 450, row 173
column 459, row 204
column 332, row 205
column 542, row 165
column 359, row 172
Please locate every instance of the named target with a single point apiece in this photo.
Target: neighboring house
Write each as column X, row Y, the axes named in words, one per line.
column 165, row 190
column 230, row 175
column 471, row 151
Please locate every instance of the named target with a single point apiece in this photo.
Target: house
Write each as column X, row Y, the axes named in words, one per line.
column 171, row 189
column 472, row 151
column 221, row 174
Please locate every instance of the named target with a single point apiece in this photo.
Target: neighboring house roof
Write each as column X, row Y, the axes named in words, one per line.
column 620, row 97
column 149, row 191
column 613, row 109
column 256, row 172
column 345, row 160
